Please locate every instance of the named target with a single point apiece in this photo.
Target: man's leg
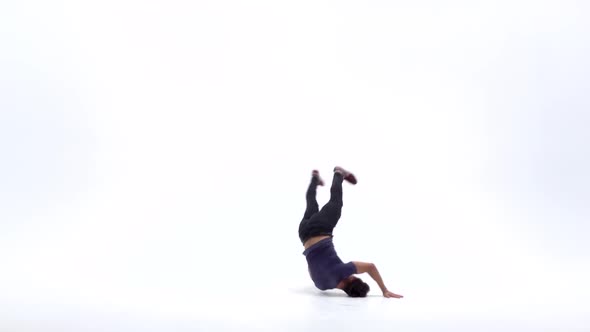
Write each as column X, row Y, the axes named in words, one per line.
column 310, row 195
column 330, row 213
column 324, row 221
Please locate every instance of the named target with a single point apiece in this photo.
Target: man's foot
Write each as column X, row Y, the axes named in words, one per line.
column 346, row 174
column 316, row 174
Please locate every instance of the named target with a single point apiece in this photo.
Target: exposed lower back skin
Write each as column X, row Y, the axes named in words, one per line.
column 313, row 240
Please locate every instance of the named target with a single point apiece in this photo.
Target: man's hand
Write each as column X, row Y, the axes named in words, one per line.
column 389, row 294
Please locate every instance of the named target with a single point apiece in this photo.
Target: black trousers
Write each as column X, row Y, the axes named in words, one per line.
column 321, row 222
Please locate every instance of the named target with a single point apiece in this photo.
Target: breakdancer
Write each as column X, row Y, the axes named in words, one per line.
column 326, row 269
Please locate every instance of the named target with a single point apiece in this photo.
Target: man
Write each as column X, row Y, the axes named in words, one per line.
column 315, row 232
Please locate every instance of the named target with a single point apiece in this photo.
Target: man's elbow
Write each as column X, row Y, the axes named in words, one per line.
column 363, row 267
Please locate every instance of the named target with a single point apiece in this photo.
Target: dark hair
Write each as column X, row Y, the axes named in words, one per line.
column 357, row 288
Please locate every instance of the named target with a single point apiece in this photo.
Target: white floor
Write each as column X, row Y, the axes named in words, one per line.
column 296, row 309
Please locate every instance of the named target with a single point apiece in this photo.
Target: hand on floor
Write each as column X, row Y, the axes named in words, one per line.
column 389, row 294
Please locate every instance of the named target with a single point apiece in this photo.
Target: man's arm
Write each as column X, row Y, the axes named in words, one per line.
column 371, row 269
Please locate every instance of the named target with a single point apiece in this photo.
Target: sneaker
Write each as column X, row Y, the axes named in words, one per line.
column 316, row 174
column 346, row 174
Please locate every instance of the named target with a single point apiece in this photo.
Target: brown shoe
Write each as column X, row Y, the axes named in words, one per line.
column 346, row 174
column 316, row 174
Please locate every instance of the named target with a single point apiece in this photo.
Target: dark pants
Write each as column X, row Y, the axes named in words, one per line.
column 321, row 222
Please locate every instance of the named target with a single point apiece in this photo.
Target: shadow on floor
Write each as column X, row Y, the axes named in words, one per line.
column 329, row 293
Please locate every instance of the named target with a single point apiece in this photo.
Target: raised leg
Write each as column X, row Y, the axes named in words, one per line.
column 336, row 189
column 316, row 223
column 310, row 196
column 330, row 213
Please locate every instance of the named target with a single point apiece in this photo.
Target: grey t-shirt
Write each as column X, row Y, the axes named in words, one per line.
column 325, row 267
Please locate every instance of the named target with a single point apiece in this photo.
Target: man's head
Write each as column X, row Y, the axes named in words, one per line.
column 357, row 288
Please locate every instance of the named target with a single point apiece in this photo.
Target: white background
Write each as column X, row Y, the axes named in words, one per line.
column 154, row 157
